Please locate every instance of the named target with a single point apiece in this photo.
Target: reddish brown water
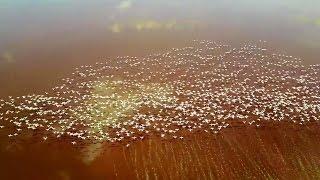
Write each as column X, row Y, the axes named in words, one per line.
column 273, row 151
column 36, row 38
column 41, row 42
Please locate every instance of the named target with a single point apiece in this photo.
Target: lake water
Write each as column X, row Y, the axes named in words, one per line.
column 42, row 42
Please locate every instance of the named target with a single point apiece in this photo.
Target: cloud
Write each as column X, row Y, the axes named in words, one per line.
column 170, row 24
column 317, row 22
column 150, row 24
column 7, row 57
column 116, row 28
column 125, row 4
column 308, row 20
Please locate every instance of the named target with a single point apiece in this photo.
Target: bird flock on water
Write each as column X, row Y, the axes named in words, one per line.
column 204, row 87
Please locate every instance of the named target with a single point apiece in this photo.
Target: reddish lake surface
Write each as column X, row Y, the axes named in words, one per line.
column 42, row 42
column 36, row 38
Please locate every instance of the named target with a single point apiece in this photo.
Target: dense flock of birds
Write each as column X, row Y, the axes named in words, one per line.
column 205, row 87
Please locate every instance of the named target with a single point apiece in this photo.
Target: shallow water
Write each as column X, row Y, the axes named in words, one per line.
column 42, row 42
column 37, row 37
column 239, row 153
